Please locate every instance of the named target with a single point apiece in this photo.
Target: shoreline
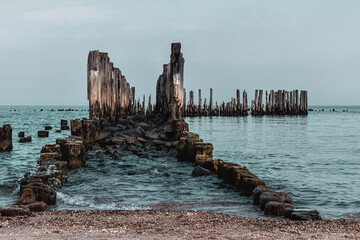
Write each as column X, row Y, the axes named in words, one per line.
column 167, row 224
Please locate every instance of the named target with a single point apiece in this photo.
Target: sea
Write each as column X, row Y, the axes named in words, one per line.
column 314, row 158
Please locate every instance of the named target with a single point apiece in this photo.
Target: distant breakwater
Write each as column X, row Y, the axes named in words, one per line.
column 116, row 118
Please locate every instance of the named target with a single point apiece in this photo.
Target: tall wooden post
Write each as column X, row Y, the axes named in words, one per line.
column 245, row 103
column 211, row 103
column 237, row 101
column 256, row 101
column 192, row 103
column 200, row 103
column 184, row 104
column 261, row 106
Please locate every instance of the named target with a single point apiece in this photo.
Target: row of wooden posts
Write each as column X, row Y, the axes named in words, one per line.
column 111, row 96
column 279, row 102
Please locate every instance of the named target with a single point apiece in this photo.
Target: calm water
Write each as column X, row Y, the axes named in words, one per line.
column 314, row 158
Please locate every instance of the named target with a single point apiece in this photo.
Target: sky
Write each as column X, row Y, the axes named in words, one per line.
column 246, row 44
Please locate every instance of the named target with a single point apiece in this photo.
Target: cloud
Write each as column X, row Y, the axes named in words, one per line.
column 68, row 15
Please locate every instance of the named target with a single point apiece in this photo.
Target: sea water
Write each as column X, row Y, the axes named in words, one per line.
column 314, row 158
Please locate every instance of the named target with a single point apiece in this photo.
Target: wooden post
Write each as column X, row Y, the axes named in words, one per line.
column 252, row 107
column 301, row 102
column 306, row 102
column 217, row 109
column 256, row 102
column 211, row 103
column 291, row 103
column 200, row 103
column 149, row 108
column 237, row 101
column 143, row 105
column 205, row 108
column 184, row 104
column 245, row 103
column 272, row 101
column 138, row 106
column 279, row 101
column 191, row 103
column 261, row 106
column 266, row 102
column 6, row 138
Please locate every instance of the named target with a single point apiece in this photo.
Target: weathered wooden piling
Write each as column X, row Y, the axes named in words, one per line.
column 281, row 102
column 149, row 107
column 25, row 139
column 200, row 104
column 184, row 104
column 191, row 107
column 109, row 93
column 43, row 133
column 169, row 88
column 6, row 138
column 211, row 109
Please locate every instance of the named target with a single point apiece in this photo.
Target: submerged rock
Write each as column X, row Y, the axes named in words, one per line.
column 43, row 133
column 25, row 139
column 257, row 192
column 273, row 208
column 115, row 156
column 43, row 192
column 200, row 171
column 273, row 196
column 14, row 210
column 302, row 214
column 37, row 206
column 27, row 195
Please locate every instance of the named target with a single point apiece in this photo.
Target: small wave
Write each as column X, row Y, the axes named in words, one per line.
column 355, row 215
column 80, row 202
column 154, row 171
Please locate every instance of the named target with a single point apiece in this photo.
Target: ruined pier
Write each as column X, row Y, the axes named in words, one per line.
column 117, row 119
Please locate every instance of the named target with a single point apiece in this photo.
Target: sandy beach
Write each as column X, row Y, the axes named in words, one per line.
column 165, row 224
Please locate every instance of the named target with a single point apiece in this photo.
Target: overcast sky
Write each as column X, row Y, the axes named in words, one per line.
column 303, row 44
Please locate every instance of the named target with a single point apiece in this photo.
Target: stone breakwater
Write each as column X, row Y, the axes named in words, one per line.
column 37, row 187
column 142, row 135
column 192, row 148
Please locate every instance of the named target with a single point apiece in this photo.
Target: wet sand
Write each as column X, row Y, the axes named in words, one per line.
column 172, row 224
